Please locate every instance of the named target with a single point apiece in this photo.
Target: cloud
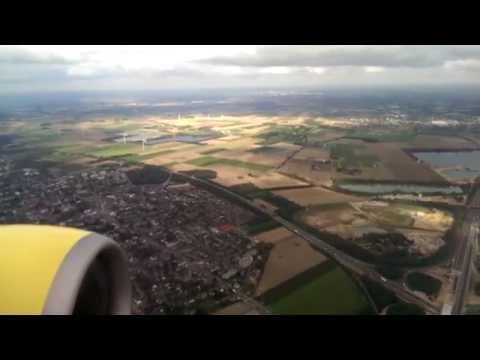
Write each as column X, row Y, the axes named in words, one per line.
column 60, row 68
column 374, row 69
column 464, row 66
column 390, row 56
column 276, row 70
column 19, row 56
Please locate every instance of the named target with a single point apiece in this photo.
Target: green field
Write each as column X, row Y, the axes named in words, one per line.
column 210, row 160
column 391, row 216
column 130, row 151
column 52, row 147
column 346, row 155
column 256, row 227
column 404, row 136
column 266, row 150
column 212, row 151
column 200, row 173
column 115, row 127
column 405, row 309
column 472, row 310
column 422, row 282
column 406, row 208
column 61, row 156
column 286, row 133
column 147, row 156
column 34, row 135
column 114, row 150
column 331, row 293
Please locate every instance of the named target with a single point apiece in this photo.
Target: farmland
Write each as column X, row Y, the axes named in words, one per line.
column 315, row 196
column 330, row 293
column 355, row 221
column 290, row 257
column 298, row 159
column 205, row 161
column 298, row 166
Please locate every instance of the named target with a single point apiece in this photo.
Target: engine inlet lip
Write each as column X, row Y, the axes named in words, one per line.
column 64, row 290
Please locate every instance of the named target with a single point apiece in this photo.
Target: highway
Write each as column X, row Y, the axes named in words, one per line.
column 346, row 261
column 466, row 249
column 464, row 261
column 359, row 267
column 474, row 202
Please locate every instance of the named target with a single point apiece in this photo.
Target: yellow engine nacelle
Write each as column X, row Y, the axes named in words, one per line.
column 62, row 271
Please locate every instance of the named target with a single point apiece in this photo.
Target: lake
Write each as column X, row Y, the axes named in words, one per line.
column 467, row 163
column 377, row 189
column 6, row 139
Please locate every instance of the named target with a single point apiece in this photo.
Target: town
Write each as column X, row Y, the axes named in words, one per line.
column 182, row 242
column 222, row 208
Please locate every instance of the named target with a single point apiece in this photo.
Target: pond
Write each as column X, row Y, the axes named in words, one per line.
column 422, row 282
column 6, row 139
column 459, row 166
column 195, row 138
column 377, row 189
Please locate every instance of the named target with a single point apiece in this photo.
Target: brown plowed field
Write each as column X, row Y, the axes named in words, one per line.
column 290, row 256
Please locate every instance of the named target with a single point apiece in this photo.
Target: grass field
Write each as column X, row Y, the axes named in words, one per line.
column 114, row 150
column 212, row 151
column 129, row 151
column 110, row 125
column 405, row 309
column 332, row 293
column 285, row 133
column 346, row 155
column 390, row 217
column 422, row 282
column 142, row 157
column 62, row 156
column 210, row 160
column 411, row 216
column 426, row 141
column 255, row 228
column 315, row 196
column 32, row 134
column 393, row 164
column 404, row 136
column 289, row 260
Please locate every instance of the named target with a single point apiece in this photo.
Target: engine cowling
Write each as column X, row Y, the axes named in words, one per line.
column 61, row 271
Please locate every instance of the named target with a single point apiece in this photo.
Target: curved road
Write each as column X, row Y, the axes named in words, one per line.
column 346, row 261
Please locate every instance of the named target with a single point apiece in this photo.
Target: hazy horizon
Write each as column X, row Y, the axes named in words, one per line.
column 25, row 69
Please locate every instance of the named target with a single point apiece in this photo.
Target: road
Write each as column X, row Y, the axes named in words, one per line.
column 463, row 263
column 463, row 259
column 346, row 261
column 359, row 267
column 475, row 202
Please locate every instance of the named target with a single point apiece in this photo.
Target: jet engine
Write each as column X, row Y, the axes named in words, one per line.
column 61, row 271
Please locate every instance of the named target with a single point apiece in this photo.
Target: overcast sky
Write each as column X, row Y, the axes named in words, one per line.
column 59, row 68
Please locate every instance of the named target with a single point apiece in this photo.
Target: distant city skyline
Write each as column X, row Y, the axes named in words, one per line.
column 84, row 67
